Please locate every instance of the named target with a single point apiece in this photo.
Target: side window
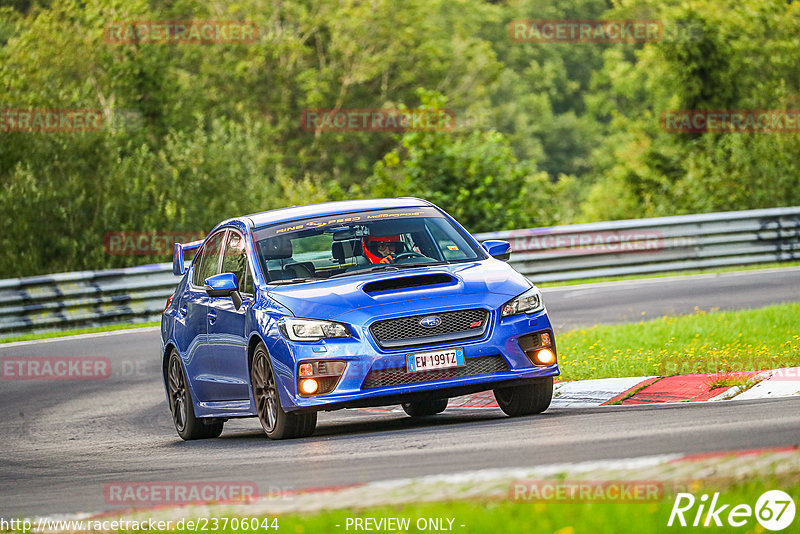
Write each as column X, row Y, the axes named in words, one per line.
column 208, row 259
column 247, row 284
column 451, row 244
column 234, row 260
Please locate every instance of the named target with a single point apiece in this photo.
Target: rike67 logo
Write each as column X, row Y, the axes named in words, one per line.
column 774, row 510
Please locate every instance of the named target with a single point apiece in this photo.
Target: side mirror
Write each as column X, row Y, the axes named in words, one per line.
column 224, row 285
column 498, row 249
column 178, row 267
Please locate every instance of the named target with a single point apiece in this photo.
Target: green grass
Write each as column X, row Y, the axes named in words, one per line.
column 702, row 342
column 727, row 380
column 508, row 516
column 76, row 331
column 734, row 269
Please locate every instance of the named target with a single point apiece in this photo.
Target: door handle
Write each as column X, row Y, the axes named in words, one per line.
column 183, row 311
column 212, row 317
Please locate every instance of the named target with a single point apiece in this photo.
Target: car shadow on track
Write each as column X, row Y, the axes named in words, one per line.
column 391, row 422
column 352, row 424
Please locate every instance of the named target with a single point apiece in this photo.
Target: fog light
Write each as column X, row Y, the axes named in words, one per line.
column 545, row 357
column 539, row 347
column 309, row 386
column 319, row 377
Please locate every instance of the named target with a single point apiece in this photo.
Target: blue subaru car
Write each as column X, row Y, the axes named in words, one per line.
column 348, row 304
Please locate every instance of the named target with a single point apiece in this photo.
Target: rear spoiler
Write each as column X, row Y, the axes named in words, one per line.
column 178, row 267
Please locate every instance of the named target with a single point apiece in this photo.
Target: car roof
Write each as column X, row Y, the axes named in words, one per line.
column 331, row 208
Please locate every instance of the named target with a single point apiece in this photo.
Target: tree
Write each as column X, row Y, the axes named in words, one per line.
column 475, row 176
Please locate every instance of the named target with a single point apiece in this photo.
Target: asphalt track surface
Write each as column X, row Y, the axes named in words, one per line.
column 62, row 441
column 636, row 300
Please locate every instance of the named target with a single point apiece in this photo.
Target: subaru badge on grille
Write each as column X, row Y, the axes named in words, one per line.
column 431, row 321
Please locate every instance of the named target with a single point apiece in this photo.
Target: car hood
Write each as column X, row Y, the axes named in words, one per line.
column 489, row 282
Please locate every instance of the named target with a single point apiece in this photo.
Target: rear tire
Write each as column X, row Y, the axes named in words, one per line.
column 527, row 399
column 425, row 408
column 182, row 408
column 276, row 423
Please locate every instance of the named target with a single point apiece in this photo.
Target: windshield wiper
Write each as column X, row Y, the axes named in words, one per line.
column 381, row 267
column 291, row 281
column 419, row 264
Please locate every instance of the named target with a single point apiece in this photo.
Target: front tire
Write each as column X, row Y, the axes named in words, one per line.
column 425, row 408
column 180, row 404
column 527, row 399
column 276, row 423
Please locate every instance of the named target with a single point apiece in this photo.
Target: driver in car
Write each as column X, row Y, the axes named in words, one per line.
column 381, row 249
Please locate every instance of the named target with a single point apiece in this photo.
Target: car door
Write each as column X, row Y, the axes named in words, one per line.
column 227, row 336
column 194, row 310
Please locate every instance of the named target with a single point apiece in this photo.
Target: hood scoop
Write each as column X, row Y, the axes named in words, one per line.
column 408, row 282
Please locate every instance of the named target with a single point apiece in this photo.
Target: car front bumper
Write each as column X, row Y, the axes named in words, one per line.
column 497, row 352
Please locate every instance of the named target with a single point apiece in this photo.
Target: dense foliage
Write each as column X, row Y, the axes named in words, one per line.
column 546, row 133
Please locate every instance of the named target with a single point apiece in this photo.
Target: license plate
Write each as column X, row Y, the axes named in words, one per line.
column 439, row 359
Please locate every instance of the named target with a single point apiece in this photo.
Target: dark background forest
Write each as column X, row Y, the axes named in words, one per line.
column 546, row 133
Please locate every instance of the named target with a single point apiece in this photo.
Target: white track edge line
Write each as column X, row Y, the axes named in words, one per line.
column 82, row 336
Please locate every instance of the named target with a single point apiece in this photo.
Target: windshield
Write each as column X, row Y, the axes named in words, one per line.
column 340, row 245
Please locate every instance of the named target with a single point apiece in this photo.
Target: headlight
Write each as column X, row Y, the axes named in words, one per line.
column 311, row 329
column 528, row 302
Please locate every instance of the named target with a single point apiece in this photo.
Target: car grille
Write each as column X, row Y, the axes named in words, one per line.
column 408, row 332
column 398, row 375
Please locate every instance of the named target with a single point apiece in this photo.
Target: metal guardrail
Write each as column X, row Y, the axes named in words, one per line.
column 664, row 244
column 84, row 299
column 638, row 246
